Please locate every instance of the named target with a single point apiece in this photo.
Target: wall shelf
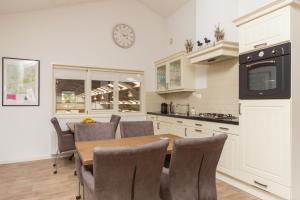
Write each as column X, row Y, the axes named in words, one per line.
column 221, row 51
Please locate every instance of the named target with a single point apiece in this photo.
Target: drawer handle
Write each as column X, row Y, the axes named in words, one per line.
column 197, row 130
column 260, row 184
column 180, row 122
column 224, row 129
column 198, row 124
column 260, row 45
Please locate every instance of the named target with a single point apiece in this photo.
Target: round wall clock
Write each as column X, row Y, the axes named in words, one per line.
column 123, row 35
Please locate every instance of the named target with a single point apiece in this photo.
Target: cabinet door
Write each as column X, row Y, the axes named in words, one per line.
column 198, row 133
column 179, row 130
column 265, row 31
column 164, row 128
column 175, row 68
column 265, row 141
column 161, row 78
column 227, row 163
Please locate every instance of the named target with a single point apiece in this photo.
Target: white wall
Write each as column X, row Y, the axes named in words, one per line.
column 181, row 26
column 79, row 35
column 246, row 6
column 212, row 12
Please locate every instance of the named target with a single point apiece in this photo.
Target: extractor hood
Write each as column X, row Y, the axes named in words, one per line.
column 218, row 52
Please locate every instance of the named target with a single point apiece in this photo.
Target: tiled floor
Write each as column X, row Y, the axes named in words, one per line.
column 35, row 181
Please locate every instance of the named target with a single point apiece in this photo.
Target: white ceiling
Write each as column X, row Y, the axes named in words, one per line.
column 162, row 7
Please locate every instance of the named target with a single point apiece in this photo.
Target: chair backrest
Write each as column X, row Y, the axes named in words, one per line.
column 193, row 168
column 58, row 130
column 136, row 128
column 115, row 119
column 94, row 131
column 129, row 173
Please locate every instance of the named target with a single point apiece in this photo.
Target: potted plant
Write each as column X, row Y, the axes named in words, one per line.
column 219, row 33
column 189, row 45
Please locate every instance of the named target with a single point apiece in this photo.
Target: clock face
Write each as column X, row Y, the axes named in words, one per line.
column 123, row 35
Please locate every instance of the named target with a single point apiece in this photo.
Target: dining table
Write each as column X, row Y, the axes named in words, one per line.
column 85, row 149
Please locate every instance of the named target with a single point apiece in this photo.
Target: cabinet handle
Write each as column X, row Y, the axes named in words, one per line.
column 260, row 45
column 240, row 109
column 197, row 130
column 198, row 124
column 260, row 184
column 158, row 125
column 185, row 132
column 224, row 129
column 180, row 122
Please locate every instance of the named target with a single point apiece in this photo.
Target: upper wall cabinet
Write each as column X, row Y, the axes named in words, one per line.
column 174, row 74
column 257, row 31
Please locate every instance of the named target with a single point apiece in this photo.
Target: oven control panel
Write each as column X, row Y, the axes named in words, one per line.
column 270, row 52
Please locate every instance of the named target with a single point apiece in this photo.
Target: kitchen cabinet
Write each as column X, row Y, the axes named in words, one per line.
column 186, row 128
column 265, row 143
column 174, row 74
column 272, row 28
column 198, row 133
column 228, row 160
column 164, row 128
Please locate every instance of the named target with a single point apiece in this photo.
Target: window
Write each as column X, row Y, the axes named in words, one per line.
column 129, row 96
column 70, row 97
column 80, row 90
column 102, row 95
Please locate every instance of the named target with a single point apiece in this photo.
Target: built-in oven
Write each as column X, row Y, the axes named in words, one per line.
column 266, row 73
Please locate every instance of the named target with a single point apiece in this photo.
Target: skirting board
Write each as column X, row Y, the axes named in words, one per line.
column 247, row 188
column 31, row 159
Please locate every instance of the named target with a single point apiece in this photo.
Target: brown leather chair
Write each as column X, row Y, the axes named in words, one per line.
column 125, row 173
column 66, row 143
column 136, row 128
column 90, row 132
column 192, row 173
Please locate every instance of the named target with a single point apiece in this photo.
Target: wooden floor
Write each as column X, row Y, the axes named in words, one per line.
column 35, row 181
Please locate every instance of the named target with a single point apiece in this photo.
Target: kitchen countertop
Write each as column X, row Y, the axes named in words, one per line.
column 234, row 121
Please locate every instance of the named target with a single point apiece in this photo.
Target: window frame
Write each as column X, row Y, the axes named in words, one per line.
column 88, row 90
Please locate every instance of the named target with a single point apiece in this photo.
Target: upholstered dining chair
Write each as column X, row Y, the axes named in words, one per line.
column 192, row 172
column 125, row 174
column 90, row 132
column 136, row 128
column 66, row 143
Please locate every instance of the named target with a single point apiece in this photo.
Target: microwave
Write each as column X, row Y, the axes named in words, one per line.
column 266, row 73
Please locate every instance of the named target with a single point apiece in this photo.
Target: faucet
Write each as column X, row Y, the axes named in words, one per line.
column 187, row 107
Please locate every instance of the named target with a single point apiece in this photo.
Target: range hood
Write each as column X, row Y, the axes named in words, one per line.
column 218, row 52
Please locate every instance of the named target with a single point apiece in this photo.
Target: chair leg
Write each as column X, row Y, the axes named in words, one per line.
column 79, row 195
column 55, row 162
column 71, row 157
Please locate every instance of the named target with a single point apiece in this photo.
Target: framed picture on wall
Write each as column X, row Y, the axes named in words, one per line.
column 20, row 82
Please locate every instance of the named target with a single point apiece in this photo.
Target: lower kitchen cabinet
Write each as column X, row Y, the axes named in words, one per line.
column 265, row 145
column 228, row 161
column 180, row 130
column 164, row 128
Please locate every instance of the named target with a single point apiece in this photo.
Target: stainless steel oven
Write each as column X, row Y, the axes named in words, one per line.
column 266, row 74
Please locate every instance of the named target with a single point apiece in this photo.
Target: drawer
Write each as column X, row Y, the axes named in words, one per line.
column 164, row 119
column 266, row 185
column 198, row 132
column 226, row 128
column 152, row 117
column 268, row 30
column 198, row 124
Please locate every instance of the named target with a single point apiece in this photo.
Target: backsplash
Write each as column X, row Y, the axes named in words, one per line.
column 220, row 96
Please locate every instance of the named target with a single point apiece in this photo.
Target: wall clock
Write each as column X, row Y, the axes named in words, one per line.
column 123, row 35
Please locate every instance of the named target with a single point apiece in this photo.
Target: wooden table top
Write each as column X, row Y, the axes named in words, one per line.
column 85, row 149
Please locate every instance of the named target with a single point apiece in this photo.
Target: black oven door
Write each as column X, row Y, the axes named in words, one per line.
column 266, row 79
